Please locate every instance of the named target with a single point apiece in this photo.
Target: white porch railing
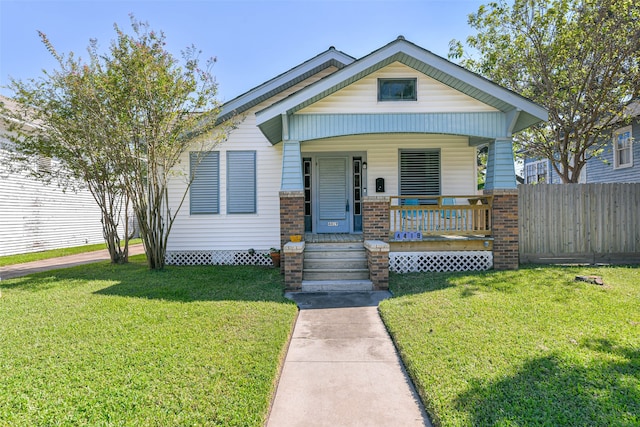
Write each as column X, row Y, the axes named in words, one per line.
column 441, row 215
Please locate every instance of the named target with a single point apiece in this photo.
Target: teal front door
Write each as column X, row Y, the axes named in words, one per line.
column 333, row 195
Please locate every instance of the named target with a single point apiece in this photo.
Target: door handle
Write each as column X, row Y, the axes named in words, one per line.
column 347, row 207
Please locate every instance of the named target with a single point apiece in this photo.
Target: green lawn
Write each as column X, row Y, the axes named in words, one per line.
column 121, row 345
column 53, row 253
column 521, row 348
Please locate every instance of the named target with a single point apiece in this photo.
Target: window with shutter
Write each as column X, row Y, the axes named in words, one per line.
column 204, row 194
column 241, row 182
column 420, row 172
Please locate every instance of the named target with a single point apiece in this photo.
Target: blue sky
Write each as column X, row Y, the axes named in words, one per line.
column 253, row 41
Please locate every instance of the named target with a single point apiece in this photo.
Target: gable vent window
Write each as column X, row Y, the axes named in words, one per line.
column 420, row 172
column 397, row 90
column 241, row 182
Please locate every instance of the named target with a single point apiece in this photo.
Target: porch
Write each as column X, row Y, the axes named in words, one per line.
column 402, row 234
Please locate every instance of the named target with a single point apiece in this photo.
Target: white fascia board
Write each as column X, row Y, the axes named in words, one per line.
column 402, row 46
column 284, row 78
column 325, row 84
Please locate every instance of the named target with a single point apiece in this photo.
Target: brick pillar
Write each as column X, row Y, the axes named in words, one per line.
column 375, row 218
column 294, row 254
column 378, row 260
column 291, row 219
column 504, row 215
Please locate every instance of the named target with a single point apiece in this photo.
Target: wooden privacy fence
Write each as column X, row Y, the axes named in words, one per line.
column 579, row 223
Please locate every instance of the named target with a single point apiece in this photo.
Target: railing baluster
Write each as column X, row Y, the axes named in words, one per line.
column 431, row 217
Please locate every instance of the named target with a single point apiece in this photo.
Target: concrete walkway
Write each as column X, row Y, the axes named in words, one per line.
column 342, row 368
column 18, row 270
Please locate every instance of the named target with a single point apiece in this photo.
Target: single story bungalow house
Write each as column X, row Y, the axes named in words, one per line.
column 352, row 167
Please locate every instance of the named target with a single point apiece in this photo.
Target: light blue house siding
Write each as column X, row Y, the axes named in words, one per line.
column 602, row 170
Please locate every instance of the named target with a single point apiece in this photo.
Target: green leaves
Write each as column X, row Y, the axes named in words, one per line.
column 120, row 122
column 579, row 59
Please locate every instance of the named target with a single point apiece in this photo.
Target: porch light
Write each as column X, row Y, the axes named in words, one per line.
column 364, row 165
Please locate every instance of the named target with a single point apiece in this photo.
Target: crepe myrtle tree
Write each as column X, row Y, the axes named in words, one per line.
column 165, row 109
column 145, row 110
column 578, row 58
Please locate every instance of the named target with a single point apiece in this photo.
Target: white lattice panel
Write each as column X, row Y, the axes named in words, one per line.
column 418, row 262
column 218, row 258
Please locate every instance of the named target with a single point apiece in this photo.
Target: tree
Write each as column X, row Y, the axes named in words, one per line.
column 62, row 116
column 578, row 58
column 164, row 110
column 123, row 121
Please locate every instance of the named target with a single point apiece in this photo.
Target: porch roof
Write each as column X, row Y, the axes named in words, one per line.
column 523, row 111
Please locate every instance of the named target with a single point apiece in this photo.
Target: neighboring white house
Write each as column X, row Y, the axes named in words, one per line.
column 36, row 217
column 337, row 134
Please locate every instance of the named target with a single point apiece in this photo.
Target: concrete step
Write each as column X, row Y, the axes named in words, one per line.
column 336, row 263
column 333, row 246
column 335, row 254
column 336, row 285
column 333, row 274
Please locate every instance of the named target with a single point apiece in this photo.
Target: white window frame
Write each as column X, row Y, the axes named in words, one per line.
column 537, row 167
column 622, row 142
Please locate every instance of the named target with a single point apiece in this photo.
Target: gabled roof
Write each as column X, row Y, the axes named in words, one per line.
column 400, row 50
column 329, row 58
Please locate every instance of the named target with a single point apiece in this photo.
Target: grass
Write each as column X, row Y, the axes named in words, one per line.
column 120, row 345
column 521, row 348
column 54, row 253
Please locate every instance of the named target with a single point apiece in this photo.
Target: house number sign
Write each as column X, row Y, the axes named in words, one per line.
column 332, row 224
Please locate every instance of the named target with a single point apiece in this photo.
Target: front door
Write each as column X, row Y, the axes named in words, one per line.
column 333, row 195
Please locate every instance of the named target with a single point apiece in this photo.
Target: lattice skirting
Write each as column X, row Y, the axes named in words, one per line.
column 415, row 262
column 218, row 258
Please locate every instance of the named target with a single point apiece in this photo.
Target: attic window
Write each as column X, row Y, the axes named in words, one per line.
column 397, row 90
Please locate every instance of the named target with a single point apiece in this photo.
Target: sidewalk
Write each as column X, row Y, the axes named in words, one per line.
column 17, row 270
column 342, row 368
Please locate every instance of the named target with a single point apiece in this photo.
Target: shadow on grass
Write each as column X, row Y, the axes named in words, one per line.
column 185, row 284
column 552, row 390
column 471, row 283
column 417, row 283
